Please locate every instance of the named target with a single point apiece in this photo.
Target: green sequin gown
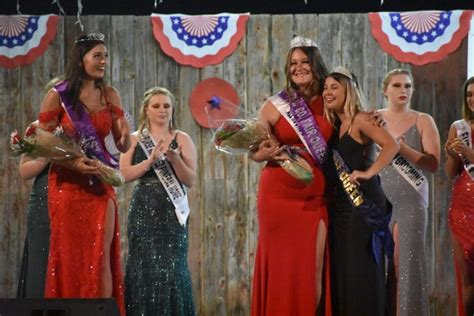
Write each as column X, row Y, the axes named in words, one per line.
column 157, row 281
column 35, row 253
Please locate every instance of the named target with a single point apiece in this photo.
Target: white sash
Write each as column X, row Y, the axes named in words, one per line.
column 167, row 178
column 463, row 130
column 284, row 108
column 412, row 175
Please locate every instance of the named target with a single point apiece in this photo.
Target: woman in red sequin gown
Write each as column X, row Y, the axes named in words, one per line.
column 461, row 211
column 84, row 256
column 291, row 275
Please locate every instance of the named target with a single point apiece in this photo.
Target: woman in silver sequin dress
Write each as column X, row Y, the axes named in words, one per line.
column 419, row 142
column 157, row 281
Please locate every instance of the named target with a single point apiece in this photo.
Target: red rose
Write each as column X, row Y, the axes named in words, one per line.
column 30, row 130
column 15, row 138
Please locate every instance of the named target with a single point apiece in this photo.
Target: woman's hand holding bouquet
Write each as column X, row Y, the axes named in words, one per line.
column 57, row 146
column 236, row 136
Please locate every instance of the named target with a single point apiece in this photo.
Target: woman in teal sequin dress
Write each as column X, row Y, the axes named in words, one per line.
column 35, row 253
column 157, row 281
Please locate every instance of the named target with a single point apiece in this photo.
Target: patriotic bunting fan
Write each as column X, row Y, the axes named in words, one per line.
column 420, row 37
column 201, row 40
column 23, row 38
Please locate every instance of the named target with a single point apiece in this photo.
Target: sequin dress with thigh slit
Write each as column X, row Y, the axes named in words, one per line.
column 77, row 209
column 358, row 280
column 157, row 281
column 411, row 216
column 289, row 215
column 35, row 253
column 461, row 223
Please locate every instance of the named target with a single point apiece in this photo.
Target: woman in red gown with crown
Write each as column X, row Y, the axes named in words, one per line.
column 291, row 275
column 460, row 166
column 84, row 256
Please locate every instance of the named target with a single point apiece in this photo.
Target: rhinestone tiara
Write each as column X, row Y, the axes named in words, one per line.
column 300, row 41
column 92, row 37
column 343, row 71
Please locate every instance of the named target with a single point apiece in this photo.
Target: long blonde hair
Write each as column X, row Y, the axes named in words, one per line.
column 353, row 101
column 143, row 121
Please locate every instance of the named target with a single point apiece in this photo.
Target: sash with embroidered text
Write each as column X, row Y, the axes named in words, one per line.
column 295, row 110
column 167, row 177
column 85, row 131
column 413, row 175
column 382, row 240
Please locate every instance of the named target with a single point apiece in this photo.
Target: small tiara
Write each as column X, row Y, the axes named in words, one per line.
column 300, row 41
column 92, row 37
column 343, row 71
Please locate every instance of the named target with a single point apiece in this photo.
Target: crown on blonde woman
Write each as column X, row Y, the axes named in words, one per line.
column 300, row 41
column 343, row 71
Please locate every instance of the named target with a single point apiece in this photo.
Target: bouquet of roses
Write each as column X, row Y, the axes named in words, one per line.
column 236, row 136
column 57, row 146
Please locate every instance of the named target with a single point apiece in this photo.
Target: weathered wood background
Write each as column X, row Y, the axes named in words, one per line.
column 223, row 226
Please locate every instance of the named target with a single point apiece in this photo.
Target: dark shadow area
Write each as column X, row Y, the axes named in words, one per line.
column 146, row 7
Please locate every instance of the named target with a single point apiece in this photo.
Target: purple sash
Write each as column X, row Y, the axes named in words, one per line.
column 301, row 116
column 85, row 131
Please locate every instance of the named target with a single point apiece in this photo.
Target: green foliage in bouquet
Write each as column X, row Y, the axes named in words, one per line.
column 298, row 168
column 239, row 136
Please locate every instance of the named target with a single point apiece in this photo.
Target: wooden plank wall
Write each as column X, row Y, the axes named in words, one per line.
column 223, row 226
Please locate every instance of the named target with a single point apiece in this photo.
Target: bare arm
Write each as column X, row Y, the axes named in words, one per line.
column 120, row 128
column 184, row 159
column 129, row 171
column 428, row 159
column 381, row 137
column 464, row 150
column 83, row 165
column 460, row 148
column 268, row 149
column 30, row 167
column 453, row 162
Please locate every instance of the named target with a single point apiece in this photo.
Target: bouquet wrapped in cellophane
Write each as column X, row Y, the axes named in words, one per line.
column 239, row 136
column 57, row 146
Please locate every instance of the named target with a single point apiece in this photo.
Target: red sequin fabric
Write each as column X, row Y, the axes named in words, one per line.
column 289, row 214
column 461, row 223
column 77, row 210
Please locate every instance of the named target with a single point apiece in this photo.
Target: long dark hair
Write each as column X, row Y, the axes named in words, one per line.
column 75, row 72
column 318, row 69
column 465, row 110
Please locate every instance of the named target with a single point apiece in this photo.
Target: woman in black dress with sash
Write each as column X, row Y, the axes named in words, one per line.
column 359, row 219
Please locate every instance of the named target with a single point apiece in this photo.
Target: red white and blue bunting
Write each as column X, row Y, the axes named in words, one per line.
column 23, row 38
column 420, row 37
column 200, row 40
